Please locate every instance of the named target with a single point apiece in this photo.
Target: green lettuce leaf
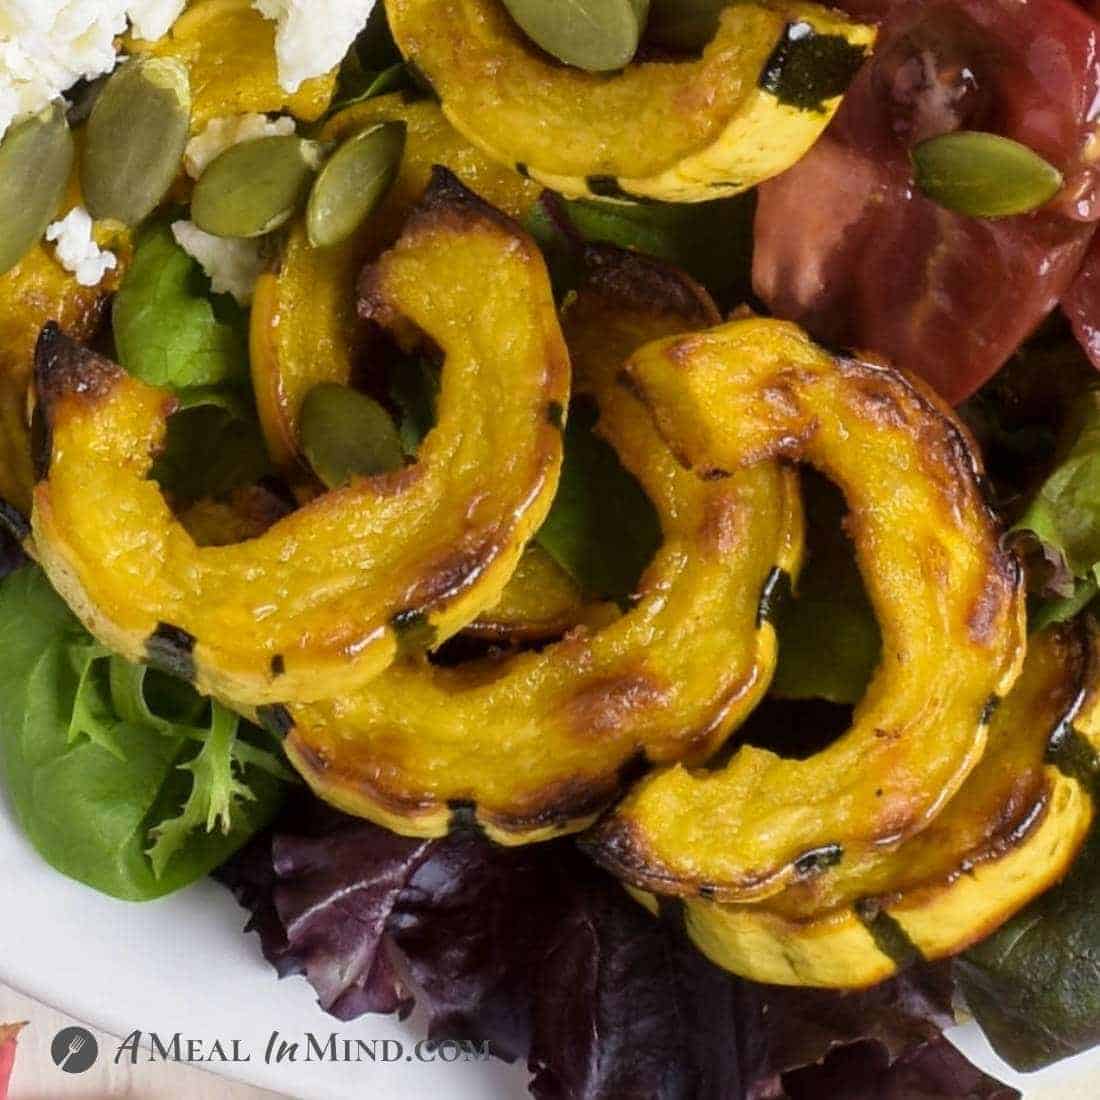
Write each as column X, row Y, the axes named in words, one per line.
column 602, row 529
column 829, row 639
column 103, row 761
column 169, row 329
column 211, row 449
column 1034, row 985
column 1065, row 513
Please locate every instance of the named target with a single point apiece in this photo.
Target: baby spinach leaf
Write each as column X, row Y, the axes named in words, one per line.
column 1034, row 985
column 169, row 329
column 211, row 449
column 92, row 772
column 829, row 639
column 602, row 529
column 414, row 391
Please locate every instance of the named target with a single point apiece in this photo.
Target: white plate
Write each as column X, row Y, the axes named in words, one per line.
column 182, row 965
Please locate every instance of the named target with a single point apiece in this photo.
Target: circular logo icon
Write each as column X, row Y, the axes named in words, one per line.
column 74, row 1049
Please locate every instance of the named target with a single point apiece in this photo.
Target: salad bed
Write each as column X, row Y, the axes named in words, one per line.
column 435, row 559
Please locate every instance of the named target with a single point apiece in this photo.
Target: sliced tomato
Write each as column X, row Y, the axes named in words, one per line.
column 847, row 247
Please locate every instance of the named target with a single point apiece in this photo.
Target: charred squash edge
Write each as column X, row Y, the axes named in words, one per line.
column 777, row 121
column 619, row 843
column 867, row 941
column 66, row 372
column 570, row 804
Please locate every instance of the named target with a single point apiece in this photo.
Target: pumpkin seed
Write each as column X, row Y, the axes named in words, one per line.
column 684, row 25
column 353, row 182
column 255, row 187
column 983, row 175
column 345, row 434
column 597, row 35
column 135, row 139
column 36, row 157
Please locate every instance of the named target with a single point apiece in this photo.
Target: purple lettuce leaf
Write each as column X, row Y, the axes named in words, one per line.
column 471, row 924
column 546, row 957
column 320, row 897
column 863, row 1071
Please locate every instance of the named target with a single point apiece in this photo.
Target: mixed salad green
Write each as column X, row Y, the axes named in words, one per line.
column 128, row 780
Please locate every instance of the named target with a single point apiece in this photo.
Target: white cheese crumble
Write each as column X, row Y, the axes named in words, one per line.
column 46, row 46
column 312, row 35
column 152, row 19
column 232, row 264
column 77, row 251
column 220, row 134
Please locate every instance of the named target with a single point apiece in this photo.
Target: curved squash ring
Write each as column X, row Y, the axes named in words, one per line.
column 304, row 328
column 323, row 600
column 38, row 289
column 683, row 131
column 229, row 50
column 948, row 598
column 1010, row 833
column 535, row 745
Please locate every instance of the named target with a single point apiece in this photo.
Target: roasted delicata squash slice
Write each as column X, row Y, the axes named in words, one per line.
column 535, row 744
column 38, row 289
column 304, row 327
column 229, row 50
column 947, row 596
column 323, row 600
column 1010, row 833
column 684, row 131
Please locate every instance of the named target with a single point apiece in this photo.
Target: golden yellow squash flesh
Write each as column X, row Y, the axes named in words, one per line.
column 304, row 327
column 323, row 600
column 1010, row 833
column 681, row 131
column 947, row 596
column 535, row 744
column 38, row 289
column 229, row 50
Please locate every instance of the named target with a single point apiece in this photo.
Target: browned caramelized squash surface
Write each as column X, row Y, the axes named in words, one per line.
column 324, row 599
column 535, row 744
column 948, row 598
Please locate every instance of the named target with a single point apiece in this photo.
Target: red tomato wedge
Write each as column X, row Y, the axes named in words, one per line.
column 848, row 248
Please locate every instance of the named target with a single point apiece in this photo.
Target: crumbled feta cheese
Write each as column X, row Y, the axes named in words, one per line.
column 46, row 46
column 312, row 35
column 77, row 251
column 221, row 133
column 232, row 264
column 152, row 19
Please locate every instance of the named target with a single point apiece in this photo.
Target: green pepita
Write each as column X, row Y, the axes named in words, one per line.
column 346, row 434
column 983, row 175
column 36, row 157
column 255, row 187
column 597, row 35
column 135, row 139
column 684, row 25
column 353, row 182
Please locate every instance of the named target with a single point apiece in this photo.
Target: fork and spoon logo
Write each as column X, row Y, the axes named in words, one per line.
column 74, row 1049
